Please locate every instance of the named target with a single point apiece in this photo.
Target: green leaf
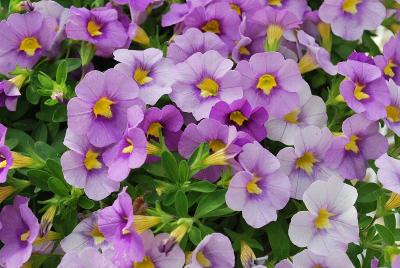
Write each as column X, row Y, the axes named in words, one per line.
column 390, row 221
column 202, row 187
column 39, row 178
column 32, row 95
column 368, row 192
column 57, row 186
column 85, row 202
column 55, row 168
column 371, row 46
column 220, row 212
column 45, row 80
column 62, row 72
column 45, row 151
column 87, row 52
column 51, row 102
column 210, row 203
column 195, row 235
column 278, row 238
column 60, row 114
column 183, row 171
column 385, row 234
column 181, row 204
column 40, row 132
column 73, row 64
column 170, row 165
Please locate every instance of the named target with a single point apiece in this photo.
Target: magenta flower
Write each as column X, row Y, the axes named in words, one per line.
column 331, row 220
column 130, row 152
column 349, row 18
column 218, row 18
column 261, row 189
column 390, row 60
column 215, row 250
column 203, row 80
column 100, row 106
column 192, row 41
column 307, row 259
column 99, row 26
column 116, row 223
column 87, row 257
column 360, row 142
column 20, row 228
column 305, row 162
column 364, row 89
column 153, row 74
column 25, row 38
column 241, row 115
column 388, row 173
column 269, row 80
column 83, row 167
column 6, row 159
column 392, row 119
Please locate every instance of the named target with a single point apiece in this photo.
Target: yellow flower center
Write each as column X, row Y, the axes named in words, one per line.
column 212, row 26
column 97, row 235
column 29, row 45
column 154, row 129
column 25, row 236
column 318, row 266
column 3, row 163
column 393, row 113
column 292, row 117
column 277, row 3
column 238, row 118
column 208, row 87
column 389, row 69
column 145, row 263
column 350, row 6
column 306, row 162
column 128, row 149
column 352, row 144
column 236, row 8
column 103, row 107
column 244, row 51
column 91, row 161
column 358, row 92
column 94, row 29
column 216, row 145
column 322, row 220
column 252, row 186
column 266, row 83
column 141, row 76
column 202, row 260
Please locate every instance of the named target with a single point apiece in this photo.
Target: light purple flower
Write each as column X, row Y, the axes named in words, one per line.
column 85, row 234
column 130, row 152
column 241, row 115
column 364, row 89
column 297, row 7
column 153, row 74
column 243, row 7
column 99, row 26
column 87, row 257
column 192, row 41
column 284, row 123
column 203, row 80
column 360, row 142
column 331, row 220
column 83, row 167
column 215, row 250
column 390, row 60
column 284, row 264
column 261, row 189
column 6, row 159
column 100, row 106
column 392, row 119
column 305, row 162
column 9, row 94
column 218, row 18
column 307, row 259
column 270, row 81
column 349, row 18
column 116, row 223
column 20, row 228
column 389, row 172
column 25, row 38
column 176, row 14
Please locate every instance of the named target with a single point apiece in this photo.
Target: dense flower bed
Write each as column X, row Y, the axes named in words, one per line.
column 205, row 133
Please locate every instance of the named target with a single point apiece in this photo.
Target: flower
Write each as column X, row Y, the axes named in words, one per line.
column 218, row 18
column 364, row 89
column 361, row 141
column 349, row 18
column 176, row 14
column 390, row 60
column 116, row 223
column 285, row 122
column 87, row 257
column 20, row 228
column 392, row 119
column 243, row 7
column 6, row 158
column 85, row 234
column 241, row 115
column 305, row 162
column 307, row 259
column 331, row 220
column 192, row 41
column 130, row 152
column 388, row 173
column 215, row 250
column 153, row 74
column 269, row 80
column 99, row 26
column 100, row 106
column 26, row 38
column 155, row 258
column 261, row 189
column 9, row 92
column 203, row 80
column 297, row 7
column 83, row 167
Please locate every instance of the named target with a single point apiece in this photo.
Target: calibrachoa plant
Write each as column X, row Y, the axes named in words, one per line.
column 200, row 133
